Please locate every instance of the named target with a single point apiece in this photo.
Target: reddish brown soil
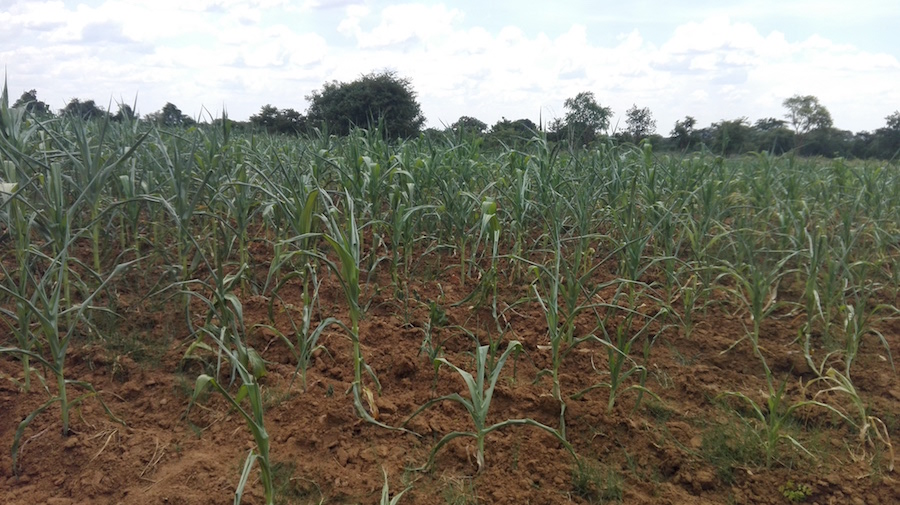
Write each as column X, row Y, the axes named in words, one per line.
column 664, row 451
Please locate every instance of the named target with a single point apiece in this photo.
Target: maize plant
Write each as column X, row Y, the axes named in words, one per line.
column 481, row 391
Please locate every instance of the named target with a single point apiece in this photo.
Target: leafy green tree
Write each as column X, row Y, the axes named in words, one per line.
column 290, row 121
column 30, row 102
column 377, row 98
column 639, row 123
column 772, row 135
column 683, row 133
column 893, row 121
column 469, row 125
column 885, row 142
column 266, row 117
column 584, row 118
column 513, row 133
column 170, row 115
column 805, row 113
column 769, row 124
column 125, row 113
column 830, row 142
column 86, row 110
column 730, row 137
column 276, row 120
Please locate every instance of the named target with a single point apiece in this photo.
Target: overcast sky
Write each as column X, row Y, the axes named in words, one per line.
column 489, row 59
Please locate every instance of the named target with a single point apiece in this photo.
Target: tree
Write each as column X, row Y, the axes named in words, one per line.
column 513, row 132
column 290, row 121
column 266, row 117
column 772, row 135
column 769, row 124
column 377, row 98
column 730, row 137
column 279, row 121
column 469, row 125
column 805, row 113
column 585, row 117
column 639, row 123
column 683, row 133
column 893, row 121
column 30, row 102
column 86, row 110
column 885, row 142
column 170, row 115
column 125, row 113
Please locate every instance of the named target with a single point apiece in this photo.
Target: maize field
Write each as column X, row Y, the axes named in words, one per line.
column 205, row 316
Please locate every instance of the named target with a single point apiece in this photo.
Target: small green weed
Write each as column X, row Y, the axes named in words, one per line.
column 795, row 493
column 460, row 492
column 596, row 484
column 290, row 489
column 730, row 446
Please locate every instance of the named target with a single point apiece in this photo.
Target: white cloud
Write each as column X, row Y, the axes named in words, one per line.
column 399, row 24
column 462, row 60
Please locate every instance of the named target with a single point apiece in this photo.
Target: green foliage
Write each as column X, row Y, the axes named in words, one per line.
column 596, row 484
column 639, row 123
column 30, row 102
column 584, row 118
column 771, row 135
column 512, row 133
column 170, row 115
column 125, row 113
column 85, row 110
column 373, row 99
column 683, row 133
column 275, row 120
column 469, row 125
column 730, row 137
column 795, row 493
column 481, row 391
column 806, row 113
column 730, row 446
column 609, row 236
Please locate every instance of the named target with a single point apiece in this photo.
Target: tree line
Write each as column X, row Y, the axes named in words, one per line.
column 389, row 102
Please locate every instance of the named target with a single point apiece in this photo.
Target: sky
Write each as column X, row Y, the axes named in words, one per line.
column 711, row 59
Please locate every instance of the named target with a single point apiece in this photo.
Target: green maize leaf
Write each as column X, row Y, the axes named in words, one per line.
column 20, row 430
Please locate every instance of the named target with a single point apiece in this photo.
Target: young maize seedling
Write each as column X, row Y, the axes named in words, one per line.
column 224, row 310
column 386, row 493
column 757, row 288
column 487, row 286
column 307, row 337
column 858, row 319
column 49, row 308
column 772, row 417
column 481, row 391
column 634, row 326
column 345, row 242
column 431, row 345
column 20, row 222
column 92, row 168
column 250, row 390
column 866, row 424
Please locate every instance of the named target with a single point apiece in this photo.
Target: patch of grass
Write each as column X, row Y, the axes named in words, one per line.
column 658, row 410
column 730, row 446
column 274, row 397
column 460, row 492
column 135, row 347
column 680, row 358
column 290, row 490
column 596, row 483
